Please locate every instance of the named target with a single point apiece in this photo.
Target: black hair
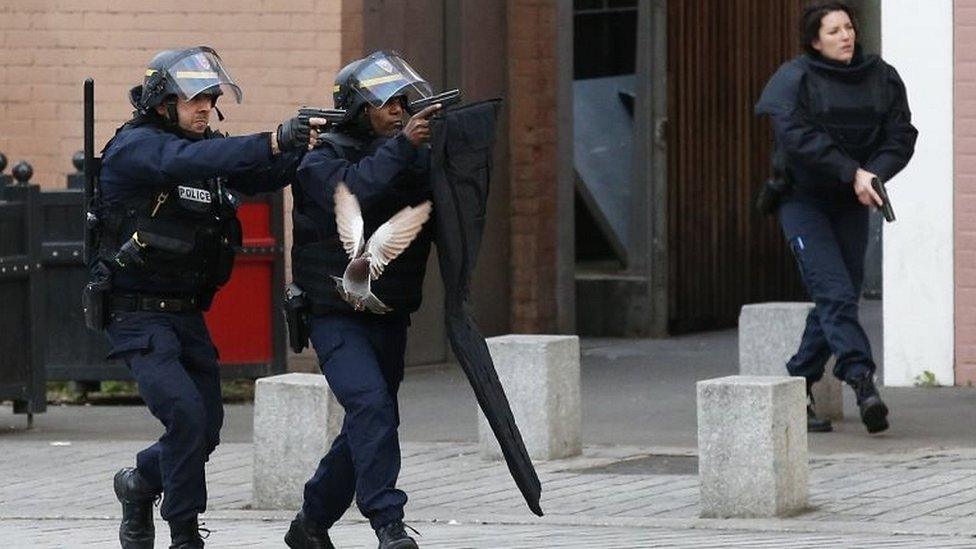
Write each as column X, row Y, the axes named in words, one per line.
column 813, row 14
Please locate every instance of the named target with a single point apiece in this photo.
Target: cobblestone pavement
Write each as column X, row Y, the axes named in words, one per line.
column 59, row 495
column 57, row 534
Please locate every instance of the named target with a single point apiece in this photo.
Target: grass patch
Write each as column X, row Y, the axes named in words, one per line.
column 126, row 392
column 926, row 379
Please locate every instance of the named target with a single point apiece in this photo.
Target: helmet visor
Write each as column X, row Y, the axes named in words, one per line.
column 385, row 75
column 201, row 72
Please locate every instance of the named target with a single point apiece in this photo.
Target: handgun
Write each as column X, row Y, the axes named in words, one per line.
column 886, row 209
column 334, row 116
column 445, row 98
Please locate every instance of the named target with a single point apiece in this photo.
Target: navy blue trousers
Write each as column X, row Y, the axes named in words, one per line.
column 362, row 359
column 174, row 363
column 829, row 241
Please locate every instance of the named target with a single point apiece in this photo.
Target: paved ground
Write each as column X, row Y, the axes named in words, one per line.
column 64, row 499
column 251, row 534
column 635, row 486
column 634, row 392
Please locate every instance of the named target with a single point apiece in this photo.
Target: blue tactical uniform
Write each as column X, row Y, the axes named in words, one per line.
column 170, row 354
column 829, row 119
column 164, row 241
column 361, row 354
column 360, row 309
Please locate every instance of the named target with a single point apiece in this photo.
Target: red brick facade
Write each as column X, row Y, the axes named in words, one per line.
column 352, row 31
column 282, row 53
column 964, row 92
column 533, row 161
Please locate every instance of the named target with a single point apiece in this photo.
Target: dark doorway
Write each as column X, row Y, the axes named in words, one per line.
column 722, row 253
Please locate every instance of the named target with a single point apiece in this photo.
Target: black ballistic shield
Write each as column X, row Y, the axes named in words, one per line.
column 94, row 297
column 464, row 139
column 91, row 168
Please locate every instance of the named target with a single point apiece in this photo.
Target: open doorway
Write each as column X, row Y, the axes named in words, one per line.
column 610, row 294
column 604, row 60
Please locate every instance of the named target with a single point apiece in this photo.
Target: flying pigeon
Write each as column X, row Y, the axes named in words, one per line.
column 368, row 259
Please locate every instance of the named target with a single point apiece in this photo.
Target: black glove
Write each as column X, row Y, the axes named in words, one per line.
column 293, row 134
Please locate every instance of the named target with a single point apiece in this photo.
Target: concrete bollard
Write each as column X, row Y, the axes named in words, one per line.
column 769, row 334
column 296, row 418
column 541, row 377
column 752, row 446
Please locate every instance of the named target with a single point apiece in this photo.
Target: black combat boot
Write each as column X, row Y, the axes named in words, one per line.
column 136, row 496
column 185, row 534
column 874, row 413
column 302, row 535
column 815, row 424
column 393, row 536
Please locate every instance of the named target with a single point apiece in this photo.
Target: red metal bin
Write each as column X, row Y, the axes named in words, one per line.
column 246, row 320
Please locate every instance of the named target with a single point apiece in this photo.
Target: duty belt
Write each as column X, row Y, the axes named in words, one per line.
column 323, row 309
column 130, row 303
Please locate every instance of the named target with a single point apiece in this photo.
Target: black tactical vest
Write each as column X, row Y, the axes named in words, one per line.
column 318, row 255
column 187, row 236
column 850, row 104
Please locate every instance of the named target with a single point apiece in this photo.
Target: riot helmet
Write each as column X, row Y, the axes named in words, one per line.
column 376, row 79
column 182, row 73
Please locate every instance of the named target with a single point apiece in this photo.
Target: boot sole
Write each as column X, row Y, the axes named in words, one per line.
column 118, row 484
column 296, row 541
column 820, row 428
column 404, row 544
column 291, row 542
column 875, row 417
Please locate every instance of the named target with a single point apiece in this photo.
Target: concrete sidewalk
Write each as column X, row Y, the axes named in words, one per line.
column 64, row 499
column 636, row 486
column 634, row 393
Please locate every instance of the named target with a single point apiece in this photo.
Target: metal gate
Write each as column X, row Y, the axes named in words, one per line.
column 72, row 352
column 22, row 377
column 722, row 253
column 246, row 319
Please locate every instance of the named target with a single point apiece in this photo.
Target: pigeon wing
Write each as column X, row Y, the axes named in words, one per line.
column 349, row 221
column 374, row 305
column 392, row 237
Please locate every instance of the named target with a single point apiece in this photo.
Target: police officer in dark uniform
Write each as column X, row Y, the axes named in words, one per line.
column 166, row 235
column 840, row 119
column 376, row 160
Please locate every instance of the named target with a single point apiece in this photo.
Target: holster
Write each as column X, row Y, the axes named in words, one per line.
column 95, row 298
column 770, row 195
column 297, row 310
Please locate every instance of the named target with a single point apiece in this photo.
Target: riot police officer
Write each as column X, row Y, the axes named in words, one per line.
column 840, row 119
column 370, row 168
column 165, row 240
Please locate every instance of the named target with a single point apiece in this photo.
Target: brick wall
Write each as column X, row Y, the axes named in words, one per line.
column 964, row 17
column 352, row 31
column 532, row 74
column 282, row 53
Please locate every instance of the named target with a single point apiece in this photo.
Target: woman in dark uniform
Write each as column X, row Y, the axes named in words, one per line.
column 840, row 119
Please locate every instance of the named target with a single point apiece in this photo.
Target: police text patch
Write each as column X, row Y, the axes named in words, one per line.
column 194, row 194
